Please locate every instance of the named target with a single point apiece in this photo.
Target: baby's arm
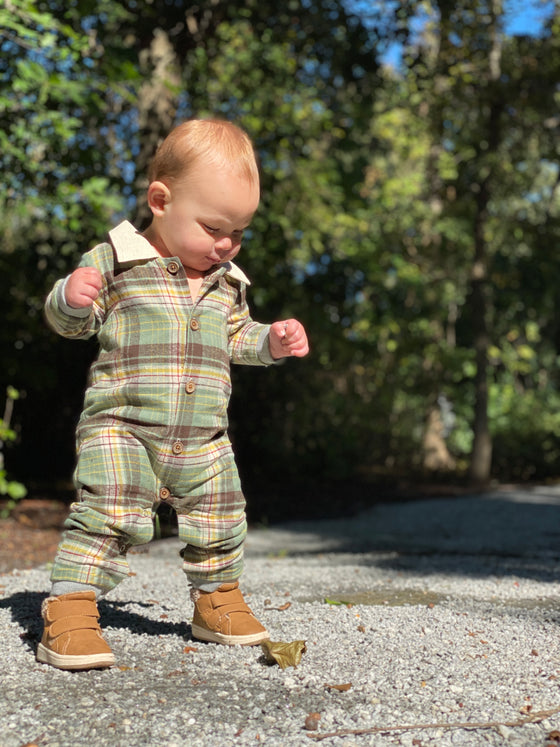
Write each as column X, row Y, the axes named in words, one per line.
column 288, row 338
column 82, row 287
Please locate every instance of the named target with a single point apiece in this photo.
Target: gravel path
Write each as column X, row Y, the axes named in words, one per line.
column 429, row 614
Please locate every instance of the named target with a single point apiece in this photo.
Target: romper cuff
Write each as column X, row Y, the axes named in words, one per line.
column 263, row 349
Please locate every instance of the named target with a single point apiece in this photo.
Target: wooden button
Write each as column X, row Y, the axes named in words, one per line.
column 177, row 447
column 173, row 268
column 164, row 494
column 195, row 324
column 190, row 386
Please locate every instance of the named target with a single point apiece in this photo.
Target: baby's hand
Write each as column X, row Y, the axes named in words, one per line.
column 288, row 338
column 83, row 287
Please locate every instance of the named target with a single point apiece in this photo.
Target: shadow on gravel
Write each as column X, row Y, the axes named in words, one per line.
column 114, row 615
column 515, row 532
column 25, row 609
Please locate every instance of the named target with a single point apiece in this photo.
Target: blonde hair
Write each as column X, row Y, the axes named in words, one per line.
column 214, row 141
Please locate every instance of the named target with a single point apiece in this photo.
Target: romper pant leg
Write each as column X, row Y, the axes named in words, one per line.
column 213, row 525
column 114, row 510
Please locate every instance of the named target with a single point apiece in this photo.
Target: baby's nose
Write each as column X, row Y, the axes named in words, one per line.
column 224, row 243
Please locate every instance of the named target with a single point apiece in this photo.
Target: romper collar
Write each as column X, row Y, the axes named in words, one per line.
column 131, row 246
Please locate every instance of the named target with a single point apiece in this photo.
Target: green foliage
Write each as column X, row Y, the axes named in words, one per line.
column 13, row 489
column 527, row 424
column 379, row 188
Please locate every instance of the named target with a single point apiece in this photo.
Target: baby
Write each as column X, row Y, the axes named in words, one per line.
column 170, row 313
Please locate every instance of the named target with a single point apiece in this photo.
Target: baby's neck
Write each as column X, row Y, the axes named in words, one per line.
column 195, row 279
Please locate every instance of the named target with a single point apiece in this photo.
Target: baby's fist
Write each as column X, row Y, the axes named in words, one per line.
column 288, row 338
column 83, row 287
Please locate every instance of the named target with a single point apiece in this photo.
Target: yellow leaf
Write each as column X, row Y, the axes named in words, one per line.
column 283, row 654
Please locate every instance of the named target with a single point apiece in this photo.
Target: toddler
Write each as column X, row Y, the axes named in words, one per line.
column 169, row 310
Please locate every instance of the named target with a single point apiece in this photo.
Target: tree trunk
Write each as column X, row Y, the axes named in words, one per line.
column 481, row 455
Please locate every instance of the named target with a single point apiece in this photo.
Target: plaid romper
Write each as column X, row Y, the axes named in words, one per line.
column 154, row 423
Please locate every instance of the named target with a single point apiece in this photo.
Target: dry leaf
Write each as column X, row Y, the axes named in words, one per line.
column 341, row 688
column 281, row 608
column 283, row 654
column 189, row 650
column 312, row 721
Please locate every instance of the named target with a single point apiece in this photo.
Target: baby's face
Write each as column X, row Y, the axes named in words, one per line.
column 205, row 216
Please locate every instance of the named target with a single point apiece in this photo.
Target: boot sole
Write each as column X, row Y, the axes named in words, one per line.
column 210, row 636
column 64, row 661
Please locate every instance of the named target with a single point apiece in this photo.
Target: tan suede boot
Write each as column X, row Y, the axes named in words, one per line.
column 72, row 637
column 222, row 616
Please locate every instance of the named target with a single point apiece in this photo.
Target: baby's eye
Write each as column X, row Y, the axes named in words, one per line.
column 210, row 229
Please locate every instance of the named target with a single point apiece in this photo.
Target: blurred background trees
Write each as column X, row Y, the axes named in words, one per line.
column 410, row 217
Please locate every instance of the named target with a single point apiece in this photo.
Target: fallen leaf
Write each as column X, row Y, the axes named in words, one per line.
column 283, row 654
column 189, row 650
column 337, row 603
column 281, row 608
column 554, row 736
column 526, row 709
column 341, row 688
column 312, row 721
column 534, row 652
column 361, row 629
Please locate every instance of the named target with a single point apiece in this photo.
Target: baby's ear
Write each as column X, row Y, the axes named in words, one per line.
column 158, row 197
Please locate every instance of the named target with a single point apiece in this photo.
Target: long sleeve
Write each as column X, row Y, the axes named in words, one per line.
column 248, row 340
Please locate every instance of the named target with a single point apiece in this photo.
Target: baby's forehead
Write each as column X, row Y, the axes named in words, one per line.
column 219, row 193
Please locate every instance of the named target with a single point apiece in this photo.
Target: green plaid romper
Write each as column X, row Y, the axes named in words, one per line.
column 154, row 423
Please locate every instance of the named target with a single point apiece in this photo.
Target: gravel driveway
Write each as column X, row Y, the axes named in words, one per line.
column 432, row 622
